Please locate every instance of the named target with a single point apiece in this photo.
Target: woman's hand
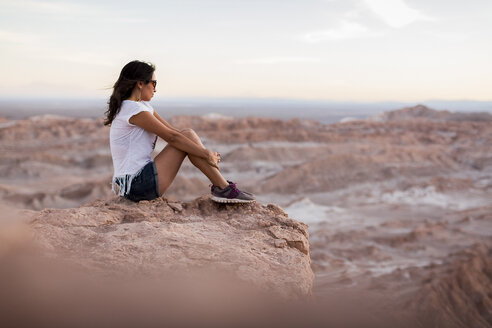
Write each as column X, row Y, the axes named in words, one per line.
column 213, row 158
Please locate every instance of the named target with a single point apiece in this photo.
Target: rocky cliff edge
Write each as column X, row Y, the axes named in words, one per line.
column 258, row 244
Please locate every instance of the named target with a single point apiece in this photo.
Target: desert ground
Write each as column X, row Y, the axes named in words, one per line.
column 399, row 205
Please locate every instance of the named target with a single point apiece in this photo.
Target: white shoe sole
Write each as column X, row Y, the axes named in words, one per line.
column 231, row 201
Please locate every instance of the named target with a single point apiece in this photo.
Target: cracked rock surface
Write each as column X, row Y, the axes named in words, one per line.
column 116, row 235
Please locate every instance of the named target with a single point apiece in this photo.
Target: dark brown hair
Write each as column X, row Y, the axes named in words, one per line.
column 131, row 73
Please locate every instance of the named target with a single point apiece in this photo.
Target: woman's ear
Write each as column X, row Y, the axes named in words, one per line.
column 140, row 84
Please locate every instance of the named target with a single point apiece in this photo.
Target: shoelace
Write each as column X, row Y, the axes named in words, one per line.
column 234, row 191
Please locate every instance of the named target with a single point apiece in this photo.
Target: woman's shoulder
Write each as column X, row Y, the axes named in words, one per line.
column 130, row 105
column 128, row 109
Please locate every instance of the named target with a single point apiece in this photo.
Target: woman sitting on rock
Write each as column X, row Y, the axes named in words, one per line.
column 135, row 126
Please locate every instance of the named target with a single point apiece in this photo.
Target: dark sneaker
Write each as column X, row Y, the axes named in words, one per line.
column 231, row 194
column 244, row 191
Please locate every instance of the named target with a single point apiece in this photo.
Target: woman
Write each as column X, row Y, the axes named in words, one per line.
column 135, row 127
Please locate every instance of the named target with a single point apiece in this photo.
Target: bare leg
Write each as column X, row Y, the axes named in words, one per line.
column 170, row 159
column 212, row 173
column 167, row 164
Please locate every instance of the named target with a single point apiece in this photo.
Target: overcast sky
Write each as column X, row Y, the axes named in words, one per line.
column 345, row 50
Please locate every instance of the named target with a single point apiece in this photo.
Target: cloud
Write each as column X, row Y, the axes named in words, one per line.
column 395, row 13
column 277, row 60
column 345, row 30
column 359, row 21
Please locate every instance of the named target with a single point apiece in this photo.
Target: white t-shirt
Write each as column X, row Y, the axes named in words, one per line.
column 131, row 146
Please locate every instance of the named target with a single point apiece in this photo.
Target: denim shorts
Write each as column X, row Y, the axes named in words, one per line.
column 145, row 185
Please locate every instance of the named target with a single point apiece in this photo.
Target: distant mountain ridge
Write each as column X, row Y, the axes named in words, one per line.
column 424, row 112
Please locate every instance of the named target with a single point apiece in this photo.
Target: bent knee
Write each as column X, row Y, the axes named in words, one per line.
column 190, row 133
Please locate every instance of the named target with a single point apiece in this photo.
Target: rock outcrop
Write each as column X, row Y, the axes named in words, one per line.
column 426, row 113
column 459, row 293
column 258, row 244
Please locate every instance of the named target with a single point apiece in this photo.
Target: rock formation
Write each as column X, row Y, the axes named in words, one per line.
column 426, row 113
column 394, row 206
column 458, row 294
column 260, row 244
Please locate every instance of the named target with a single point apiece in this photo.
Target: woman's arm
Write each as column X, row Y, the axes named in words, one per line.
column 151, row 123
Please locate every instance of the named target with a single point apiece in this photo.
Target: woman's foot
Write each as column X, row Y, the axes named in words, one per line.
column 231, row 194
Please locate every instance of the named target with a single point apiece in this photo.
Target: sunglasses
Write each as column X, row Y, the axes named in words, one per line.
column 154, row 82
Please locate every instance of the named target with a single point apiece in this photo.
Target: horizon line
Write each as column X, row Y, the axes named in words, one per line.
column 238, row 98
